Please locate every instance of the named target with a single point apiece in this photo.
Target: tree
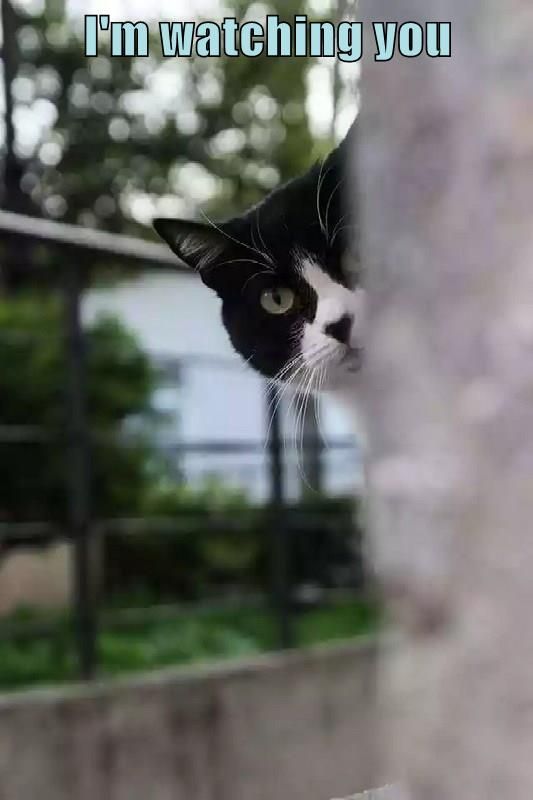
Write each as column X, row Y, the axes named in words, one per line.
column 124, row 132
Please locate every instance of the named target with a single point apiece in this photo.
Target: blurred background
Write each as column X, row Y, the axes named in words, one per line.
column 157, row 505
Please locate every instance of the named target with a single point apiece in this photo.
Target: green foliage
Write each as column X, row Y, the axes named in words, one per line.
column 194, row 539
column 204, row 542
column 182, row 640
column 127, row 127
column 32, row 393
column 227, row 541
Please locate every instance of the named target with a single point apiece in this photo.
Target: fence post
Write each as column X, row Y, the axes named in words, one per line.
column 78, row 473
column 313, row 448
column 446, row 177
column 278, row 533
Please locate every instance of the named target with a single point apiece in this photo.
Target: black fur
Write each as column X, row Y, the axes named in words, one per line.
column 241, row 258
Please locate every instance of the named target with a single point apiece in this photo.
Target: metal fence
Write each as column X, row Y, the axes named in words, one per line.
column 77, row 251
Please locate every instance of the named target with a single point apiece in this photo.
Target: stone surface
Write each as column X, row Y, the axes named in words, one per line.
column 446, row 177
column 38, row 578
column 298, row 725
column 388, row 793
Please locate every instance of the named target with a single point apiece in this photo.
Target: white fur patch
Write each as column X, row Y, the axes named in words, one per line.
column 334, row 302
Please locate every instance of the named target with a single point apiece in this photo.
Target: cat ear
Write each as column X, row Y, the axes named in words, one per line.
column 196, row 245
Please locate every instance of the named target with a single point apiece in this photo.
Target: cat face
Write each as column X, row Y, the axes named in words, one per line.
column 289, row 303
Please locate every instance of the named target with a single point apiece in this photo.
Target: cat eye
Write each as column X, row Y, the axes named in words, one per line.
column 278, row 301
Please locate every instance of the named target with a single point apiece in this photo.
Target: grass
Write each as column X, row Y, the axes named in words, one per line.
column 176, row 641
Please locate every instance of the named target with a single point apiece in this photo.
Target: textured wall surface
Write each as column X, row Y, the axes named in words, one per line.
column 447, row 199
column 295, row 726
column 40, row 578
column 388, row 793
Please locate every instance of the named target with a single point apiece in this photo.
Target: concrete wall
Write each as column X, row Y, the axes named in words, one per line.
column 295, row 727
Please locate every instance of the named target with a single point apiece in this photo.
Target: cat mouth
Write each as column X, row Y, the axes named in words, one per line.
column 352, row 359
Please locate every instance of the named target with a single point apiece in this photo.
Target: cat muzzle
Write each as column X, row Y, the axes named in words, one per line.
column 352, row 360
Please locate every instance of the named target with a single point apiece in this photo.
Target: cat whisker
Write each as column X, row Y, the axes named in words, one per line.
column 321, row 356
column 298, row 358
column 303, row 443
column 339, row 223
column 247, row 361
column 321, row 178
column 284, row 370
column 267, row 255
column 254, row 276
column 280, row 388
column 294, row 402
column 280, row 392
column 299, row 431
column 297, row 400
column 254, row 242
column 338, row 230
column 283, row 388
column 310, row 375
column 332, row 195
column 245, row 261
column 232, row 238
column 318, row 405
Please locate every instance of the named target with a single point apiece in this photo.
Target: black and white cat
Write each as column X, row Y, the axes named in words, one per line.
column 291, row 307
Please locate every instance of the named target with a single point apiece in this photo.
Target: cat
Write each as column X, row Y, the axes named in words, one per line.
column 292, row 308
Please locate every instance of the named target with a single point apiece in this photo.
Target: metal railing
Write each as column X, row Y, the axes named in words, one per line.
column 77, row 250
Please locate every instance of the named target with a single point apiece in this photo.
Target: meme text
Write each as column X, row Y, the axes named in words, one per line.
column 273, row 37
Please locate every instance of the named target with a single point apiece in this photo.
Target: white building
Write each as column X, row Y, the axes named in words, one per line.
column 212, row 398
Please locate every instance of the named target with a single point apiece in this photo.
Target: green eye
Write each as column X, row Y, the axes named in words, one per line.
column 277, row 301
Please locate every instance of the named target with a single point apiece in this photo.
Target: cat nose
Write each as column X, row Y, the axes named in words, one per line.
column 341, row 329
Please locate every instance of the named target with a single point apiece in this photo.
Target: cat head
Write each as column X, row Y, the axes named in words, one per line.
column 291, row 307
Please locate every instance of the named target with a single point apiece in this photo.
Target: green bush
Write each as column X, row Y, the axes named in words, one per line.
column 179, row 640
column 201, row 542
column 33, row 393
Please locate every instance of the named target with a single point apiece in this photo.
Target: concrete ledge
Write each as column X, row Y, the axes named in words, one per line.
column 296, row 725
